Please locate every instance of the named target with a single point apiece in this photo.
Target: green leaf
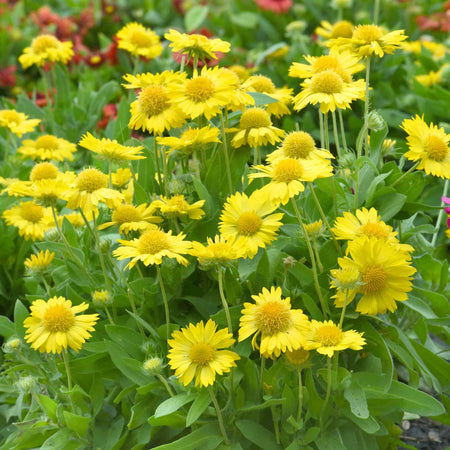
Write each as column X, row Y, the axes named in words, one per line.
column 20, row 314
column 266, row 404
column 49, row 406
column 198, row 407
column 7, row 328
column 126, row 338
column 389, row 204
column 438, row 302
column 357, row 398
column 173, row 404
column 61, row 440
column 257, row 434
column 262, row 99
column 79, row 424
column 140, row 413
column 330, row 440
column 195, row 17
column 245, row 19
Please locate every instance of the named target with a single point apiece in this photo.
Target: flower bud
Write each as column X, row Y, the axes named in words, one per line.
column 375, row 121
column 26, row 384
column 152, row 366
column 12, row 345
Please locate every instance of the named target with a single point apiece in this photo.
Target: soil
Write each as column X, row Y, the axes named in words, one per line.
column 425, row 434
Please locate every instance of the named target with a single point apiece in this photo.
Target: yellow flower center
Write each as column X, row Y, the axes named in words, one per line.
column 31, row 212
column 298, row 144
column 11, row 117
column 43, row 171
column 374, row 279
column 328, row 335
column 297, row 357
column 436, row 148
column 202, row 353
column 199, row 89
column 248, row 223
column 152, row 242
column 273, row 317
column 90, row 180
column 190, row 134
column 255, row 118
column 327, row 82
column 58, row 318
column 367, row 33
column 314, row 228
column 260, row 83
column 47, row 142
column 179, row 203
column 374, row 229
column 42, row 43
column 220, row 250
column 153, row 100
column 342, row 29
column 287, row 170
column 325, row 62
column 141, row 39
column 125, row 214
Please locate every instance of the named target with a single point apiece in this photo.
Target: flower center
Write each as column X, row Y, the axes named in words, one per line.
column 199, row 89
column 141, row 39
column 42, row 43
column 248, row 223
column 297, row 357
column 328, row 335
column 367, row 33
column 287, row 170
column 48, row 142
column 436, row 148
column 31, row 212
column 58, row 318
column 374, row 279
column 152, row 242
column 342, row 29
column 325, row 62
column 12, row 117
column 90, row 180
column 125, row 213
column 202, row 353
column 43, row 171
column 298, row 144
column 179, row 203
column 327, row 82
column 153, row 100
column 273, row 317
column 220, row 250
column 255, row 118
column 260, row 83
column 374, row 229
column 190, row 134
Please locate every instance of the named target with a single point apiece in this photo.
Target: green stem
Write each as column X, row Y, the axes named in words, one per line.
column 110, row 174
column 316, row 251
column 8, row 142
column 376, row 12
column 261, row 374
column 158, row 167
column 411, row 169
column 225, row 151
column 336, row 138
column 366, row 108
column 327, row 396
column 111, row 321
column 47, row 97
column 166, row 384
column 341, row 123
column 44, row 281
column 165, row 172
column 322, row 138
column 135, row 312
column 440, row 216
column 325, row 127
column 341, row 320
column 275, row 424
column 166, row 304
column 100, row 254
column 224, row 300
column 300, row 395
column 66, row 364
column 219, row 415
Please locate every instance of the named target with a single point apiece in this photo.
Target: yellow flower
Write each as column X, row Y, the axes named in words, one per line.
column 75, row 219
column 250, row 218
column 242, row 72
column 47, row 147
column 343, row 279
column 101, row 297
column 195, row 351
column 139, row 41
column 297, row 357
column 40, row 261
column 121, row 177
column 430, row 145
column 286, row 176
column 111, row 150
column 17, row 122
column 314, row 229
column 152, row 246
column 53, row 325
column 177, row 206
column 385, row 274
column 46, row 48
column 342, row 28
column 431, row 78
column 272, row 317
column 218, row 251
column 256, row 129
column 327, row 338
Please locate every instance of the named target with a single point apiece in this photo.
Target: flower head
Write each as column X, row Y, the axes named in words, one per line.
column 46, row 48
column 177, row 206
column 17, row 122
column 218, row 251
column 47, row 147
column 297, row 357
column 342, row 28
column 40, row 261
column 139, row 41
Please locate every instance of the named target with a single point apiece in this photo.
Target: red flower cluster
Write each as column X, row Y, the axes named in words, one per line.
column 109, row 113
column 439, row 21
column 8, row 77
column 277, row 6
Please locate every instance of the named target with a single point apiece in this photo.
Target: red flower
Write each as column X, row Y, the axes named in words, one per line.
column 277, row 6
column 44, row 17
column 8, row 77
column 109, row 113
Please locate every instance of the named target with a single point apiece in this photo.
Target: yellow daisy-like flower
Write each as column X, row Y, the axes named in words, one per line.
column 177, row 206
column 47, row 147
column 53, row 325
column 121, row 178
column 385, row 273
column 342, row 28
column 330, row 90
column 31, row 219
column 40, row 261
column 139, row 41
column 196, row 351
column 298, row 357
column 152, row 246
column 256, row 129
column 75, row 219
column 368, row 40
column 272, row 317
column 101, row 297
column 196, row 45
column 314, row 229
column 133, row 218
column 432, row 78
column 89, row 189
column 46, row 48
column 242, row 72
column 287, row 175
column 17, row 122
column 191, row 140
column 250, row 218
column 343, row 279
column 219, row 251
column 327, row 338
column 111, row 150
column 430, row 145
column 204, row 94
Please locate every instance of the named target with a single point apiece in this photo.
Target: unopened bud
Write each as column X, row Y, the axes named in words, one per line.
column 153, row 365
column 375, row 121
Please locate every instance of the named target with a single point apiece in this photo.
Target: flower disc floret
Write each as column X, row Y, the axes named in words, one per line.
column 327, row 82
column 248, row 223
column 90, row 180
column 44, row 171
column 199, row 89
column 32, row 212
column 125, row 213
column 153, row 100
column 152, row 242
column 436, row 148
column 287, row 170
column 298, row 144
column 255, row 118
column 373, row 279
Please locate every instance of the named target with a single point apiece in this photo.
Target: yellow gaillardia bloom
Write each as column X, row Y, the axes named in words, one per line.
column 177, row 206
column 286, row 176
column 368, row 40
column 53, row 325
column 31, row 219
column 256, row 129
column 17, row 122
column 272, row 317
column 327, row 338
column 152, row 246
column 204, row 94
column 47, row 147
column 430, row 145
column 297, row 357
column 139, row 41
column 250, row 218
column 40, row 261
column 385, row 274
column 218, row 251
column 330, row 90
column 432, row 78
column 75, row 219
column 242, row 72
column 46, row 48
column 343, row 28
column 197, row 351
column 111, row 150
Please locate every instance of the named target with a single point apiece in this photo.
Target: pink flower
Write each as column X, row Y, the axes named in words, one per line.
column 277, row 6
